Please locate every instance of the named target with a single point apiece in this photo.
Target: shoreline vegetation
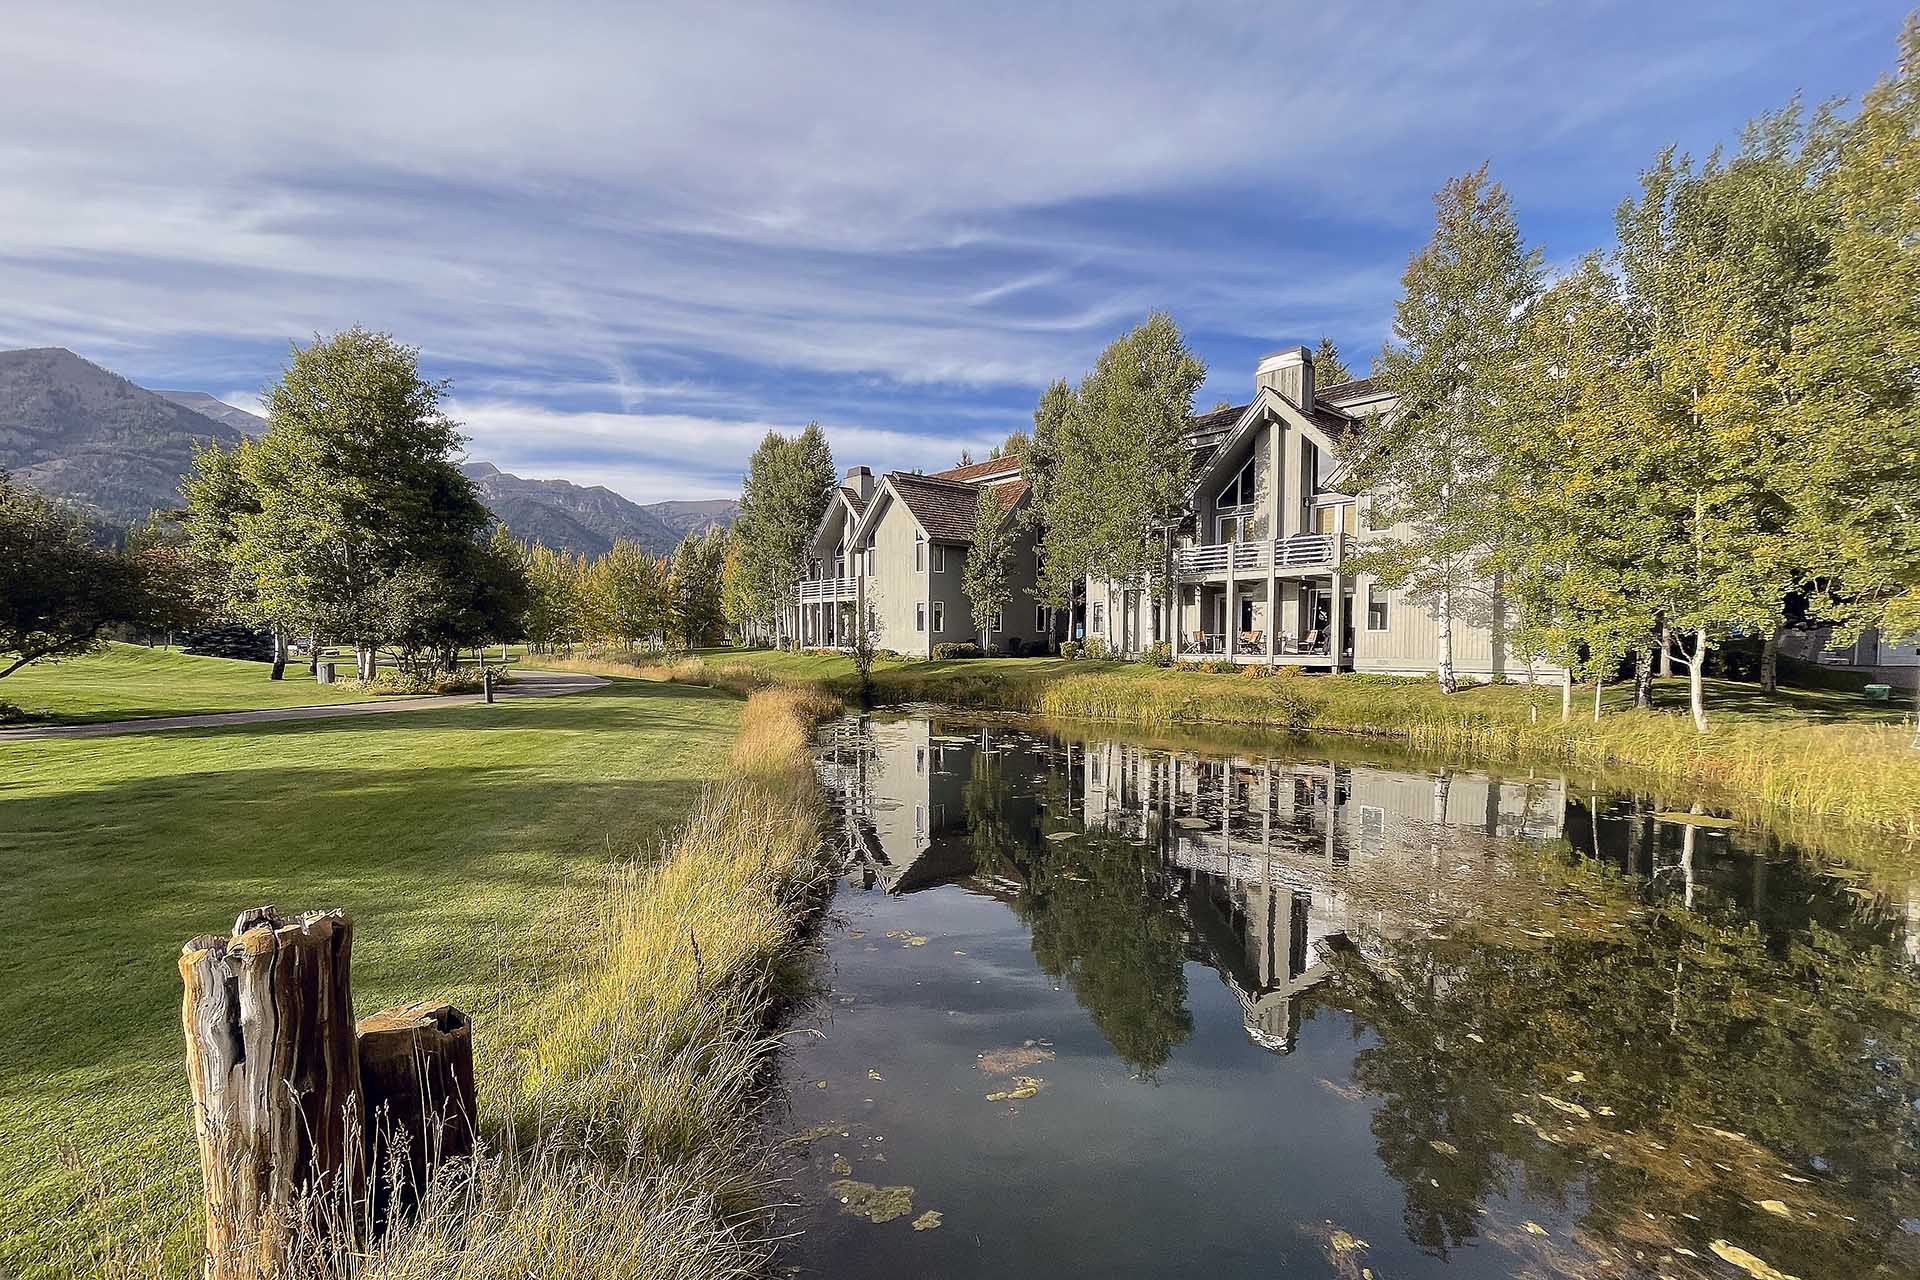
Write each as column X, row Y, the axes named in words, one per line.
column 629, row 1099
column 1810, row 756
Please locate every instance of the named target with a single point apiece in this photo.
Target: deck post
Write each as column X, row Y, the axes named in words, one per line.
column 1337, row 628
column 1232, row 627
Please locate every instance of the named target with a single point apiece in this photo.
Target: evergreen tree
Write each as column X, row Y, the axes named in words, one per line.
column 1329, row 370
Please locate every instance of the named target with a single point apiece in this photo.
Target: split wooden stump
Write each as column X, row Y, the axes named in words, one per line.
column 416, row 1076
column 312, row 1129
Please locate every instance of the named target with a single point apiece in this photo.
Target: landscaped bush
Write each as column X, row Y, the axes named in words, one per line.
column 1015, row 646
column 466, row 680
column 1097, row 648
column 1158, row 655
column 958, row 650
column 1070, row 651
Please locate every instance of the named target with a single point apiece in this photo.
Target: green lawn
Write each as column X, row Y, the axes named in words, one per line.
column 467, row 843
column 125, row 682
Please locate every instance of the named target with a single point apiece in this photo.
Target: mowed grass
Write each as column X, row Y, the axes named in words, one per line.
column 128, row 682
column 471, row 845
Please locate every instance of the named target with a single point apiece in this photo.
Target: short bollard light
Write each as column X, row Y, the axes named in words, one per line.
column 486, row 682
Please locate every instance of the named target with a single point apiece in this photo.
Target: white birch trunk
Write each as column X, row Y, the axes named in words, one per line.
column 1696, row 682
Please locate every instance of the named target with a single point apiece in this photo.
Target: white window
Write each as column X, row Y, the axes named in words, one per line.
column 919, row 552
column 1040, row 618
column 919, row 759
column 939, row 618
column 939, row 561
column 1376, row 608
column 993, row 623
column 1099, row 617
column 920, row 617
column 1239, row 491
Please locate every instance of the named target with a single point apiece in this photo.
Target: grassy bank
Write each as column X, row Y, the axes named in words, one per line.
column 472, row 847
column 1824, row 753
column 630, row 1148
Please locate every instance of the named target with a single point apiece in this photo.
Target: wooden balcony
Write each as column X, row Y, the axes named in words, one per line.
column 1224, row 559
column 827, row 590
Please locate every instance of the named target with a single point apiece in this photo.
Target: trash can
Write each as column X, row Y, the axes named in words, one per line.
column 1878, row 692
column 323, row 672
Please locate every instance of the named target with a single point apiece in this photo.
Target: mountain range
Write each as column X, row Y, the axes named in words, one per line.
column 118, row 451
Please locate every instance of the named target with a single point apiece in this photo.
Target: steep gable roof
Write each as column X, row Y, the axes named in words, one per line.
column 1358, row 389
column 944, row 508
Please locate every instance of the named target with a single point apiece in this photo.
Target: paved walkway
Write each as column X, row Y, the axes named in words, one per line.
column 526, row 684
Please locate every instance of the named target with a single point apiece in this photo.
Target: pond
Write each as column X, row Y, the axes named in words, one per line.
column 1091, row 1005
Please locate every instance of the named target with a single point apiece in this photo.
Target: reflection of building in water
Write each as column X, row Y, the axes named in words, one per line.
column 1274, row 862
column 902, row 786
column 1284, row 861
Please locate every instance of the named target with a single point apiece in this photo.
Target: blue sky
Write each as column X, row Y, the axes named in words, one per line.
column 636, row 237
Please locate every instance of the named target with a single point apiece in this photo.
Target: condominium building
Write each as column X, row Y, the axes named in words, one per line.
column 1257, row 562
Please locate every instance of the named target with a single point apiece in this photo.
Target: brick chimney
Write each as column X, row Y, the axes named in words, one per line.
column 860, row 480
column 1288, row 371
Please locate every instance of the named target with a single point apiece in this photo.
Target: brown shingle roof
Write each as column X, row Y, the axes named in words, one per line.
column 1217, row 420
column 980, row 470
column 944, row 508
column 1358, row 389
column 854, row 500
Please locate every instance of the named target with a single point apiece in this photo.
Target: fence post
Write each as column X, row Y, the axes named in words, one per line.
column 275, row 1076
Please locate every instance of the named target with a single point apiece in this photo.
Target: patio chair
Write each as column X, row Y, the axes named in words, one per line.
column 1312, row 643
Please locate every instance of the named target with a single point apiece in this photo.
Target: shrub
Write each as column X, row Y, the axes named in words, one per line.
column 466, row 680
column 1259, row 671
column 1014, row 646
column 958, row 650
column 1096, row 647
column 1070, row 651
column 1158, row 655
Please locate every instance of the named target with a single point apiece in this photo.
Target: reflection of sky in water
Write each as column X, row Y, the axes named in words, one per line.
column 1427, row 1007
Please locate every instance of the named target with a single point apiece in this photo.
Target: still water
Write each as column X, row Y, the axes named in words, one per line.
column 1093, row 1006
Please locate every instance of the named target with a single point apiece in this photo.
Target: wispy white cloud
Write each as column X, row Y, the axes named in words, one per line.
column 624, row 226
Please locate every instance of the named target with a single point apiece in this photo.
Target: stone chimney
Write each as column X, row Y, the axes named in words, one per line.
column 860, row 480
column 1289, row 372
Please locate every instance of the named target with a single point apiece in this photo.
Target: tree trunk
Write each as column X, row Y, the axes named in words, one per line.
column 274, row 1076
column 1697, row 682
column 1770, row 661
column 1916, row 711
column 279, row 654
column 1666, row 651
column 1642, row 679
column 1566, row 696
column 416, row 1086
column 1448, row 682
column 1598, row 686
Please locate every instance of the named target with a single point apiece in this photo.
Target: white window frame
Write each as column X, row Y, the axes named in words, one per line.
column 939, row 557
column 1099, row 619
column 919, row 552
column 920, row 617
column 869, row 557
column 939, row 617
column 1386, row 608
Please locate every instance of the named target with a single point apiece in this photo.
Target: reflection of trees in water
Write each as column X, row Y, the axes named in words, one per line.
column 1100, row 923
column 1733, row 1070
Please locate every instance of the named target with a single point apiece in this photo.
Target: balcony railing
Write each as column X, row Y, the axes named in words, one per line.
column 1301, row 551
column 821, row 589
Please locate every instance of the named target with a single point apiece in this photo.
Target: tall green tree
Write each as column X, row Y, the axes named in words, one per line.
column 1053, row 587
column 353, row 488
column 59, row 589
column 695, row 611
column 626, row 593
column 1710, row 446
column 788, row 486
column 1117, row 465
column 1856, row 496
column 986, row 578
column 1430, row 464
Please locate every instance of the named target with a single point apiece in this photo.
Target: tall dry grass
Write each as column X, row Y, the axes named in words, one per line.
column 620, row 1112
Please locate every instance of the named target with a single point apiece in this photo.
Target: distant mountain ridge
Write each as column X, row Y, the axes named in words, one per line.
column 85, row 434
column 80, row 432
column 219, row 410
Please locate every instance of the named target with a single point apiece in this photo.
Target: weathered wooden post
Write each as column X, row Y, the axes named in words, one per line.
column 275, row 1074
column 416, row 1080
